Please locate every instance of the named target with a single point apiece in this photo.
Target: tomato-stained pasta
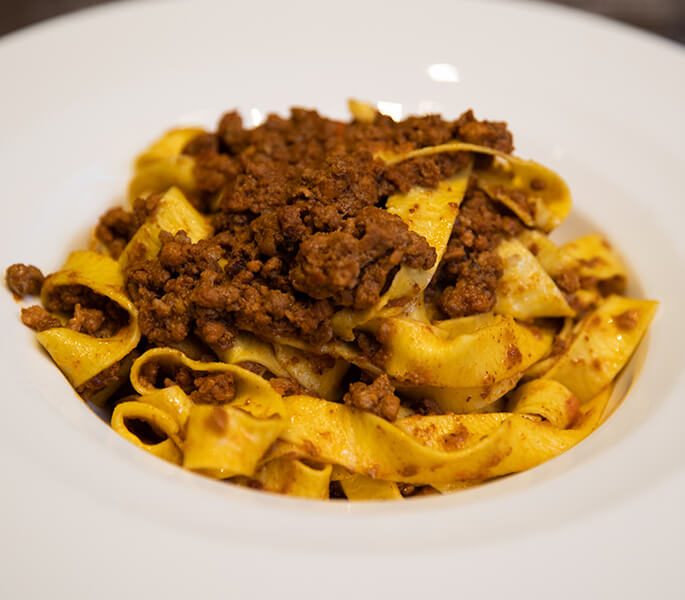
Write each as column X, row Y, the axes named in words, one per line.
column 368, row 310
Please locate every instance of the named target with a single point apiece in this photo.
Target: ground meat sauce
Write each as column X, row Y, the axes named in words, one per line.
column 24, row 280
column 299, row 232
column 92, row 313
column 203, row 387
column 39, row 319
column 378, row 397
column 470, row 268
column 109, row 376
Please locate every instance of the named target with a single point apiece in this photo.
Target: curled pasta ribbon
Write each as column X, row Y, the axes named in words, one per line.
column 158, row 420
column 596, row 259
column 163, row 165
column 361, row 111
column 294, row 478
column 469, row 352
column 550, row 257
column 81, row 356
column 604, row 342
column 525, row 291
column 324, row 382
column 547, row 399
column 462, row 400
column 172, row 213
column 435, row 450
column 361, row 487
column 534, row 193
column 429, row 213
column 220, row 440
column 287, row 361
column 248, row 348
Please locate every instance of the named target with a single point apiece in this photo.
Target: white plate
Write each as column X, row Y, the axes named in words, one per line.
column 85, row 514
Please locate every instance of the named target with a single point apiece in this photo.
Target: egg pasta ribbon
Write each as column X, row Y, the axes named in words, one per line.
column 81, row 356
column 525, row 291
column 468, row 352
column 284, row 360
column 295, row 478
column 429, row 213
column 603, row 343
column 221, row 440
column 163, row 165
column 159, row 422
column 441, row 449
column 172, row 213
column 534, row 193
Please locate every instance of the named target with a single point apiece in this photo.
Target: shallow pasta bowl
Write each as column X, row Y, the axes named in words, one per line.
column 83, row 94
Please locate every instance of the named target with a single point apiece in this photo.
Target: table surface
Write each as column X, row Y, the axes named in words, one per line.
column 664, row 17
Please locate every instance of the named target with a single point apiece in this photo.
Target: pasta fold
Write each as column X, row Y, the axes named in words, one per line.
column 525, row 291
column 470, row 352
column 534, row 193
column 603, row 343
column 172, row 213
column 441, row 449
column 163, row 165
column 81, row 356
column 294, row 478
column 431, row 214
column 158, row 420
column 224, row 440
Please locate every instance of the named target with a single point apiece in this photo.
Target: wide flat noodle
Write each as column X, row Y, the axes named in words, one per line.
column 552, row 258
column 433, row 450
column 303, row 367
column 287, row 361
column 221, row 440
column 471, row 352
column 158, row 420
column 162, row 165
column 429, row 213
column 525, row 291
column 461, row 400
column 603, row 344
column 172, row 213
column 596, row 258
column 534, row 193
column 361, row 487
column 294, row 478
column 249, row 348
column 81, row 356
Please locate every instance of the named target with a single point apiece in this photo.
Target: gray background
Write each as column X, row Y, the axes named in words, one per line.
column 665, row 17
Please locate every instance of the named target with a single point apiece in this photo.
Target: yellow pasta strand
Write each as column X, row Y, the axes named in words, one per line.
column 431, row 450
column 603, row 344
column 596, row 258
column 294, row 478
column 431, row 214
column 162, row 165
column 361, row 487
column 525, row 291
column 172, row 213
column 223, row 440
column 78, row 355
column 472, row 352
column 159, row 420
column 534, row 193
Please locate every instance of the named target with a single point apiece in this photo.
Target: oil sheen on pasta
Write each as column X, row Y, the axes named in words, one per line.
column 366, row 310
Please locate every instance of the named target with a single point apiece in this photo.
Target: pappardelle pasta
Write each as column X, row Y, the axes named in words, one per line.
column 366, row 310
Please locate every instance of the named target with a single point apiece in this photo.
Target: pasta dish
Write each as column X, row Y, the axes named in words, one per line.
column 361, row 310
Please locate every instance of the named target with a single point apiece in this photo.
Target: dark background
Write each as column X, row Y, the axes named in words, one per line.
column 665, row 17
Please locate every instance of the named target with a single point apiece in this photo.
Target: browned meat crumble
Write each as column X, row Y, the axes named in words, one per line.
column 300, row 233
column 377, row 397
column 24, row 280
